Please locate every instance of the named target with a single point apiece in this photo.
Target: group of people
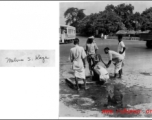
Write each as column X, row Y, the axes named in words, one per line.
column 79, row 56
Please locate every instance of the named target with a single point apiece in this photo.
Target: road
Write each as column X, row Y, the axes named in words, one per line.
column 136, row 83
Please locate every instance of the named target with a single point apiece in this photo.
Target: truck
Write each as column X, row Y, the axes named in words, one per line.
column 146, row 36
column 67, row 33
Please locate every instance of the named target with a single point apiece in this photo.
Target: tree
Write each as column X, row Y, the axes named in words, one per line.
column 134, row 21
column 105, row 22
column 114, row 18
column 124, row 11
column 147, row 19
column 73, row 15
column 108, row 22
column 87, row 24
column 137, row 21
column 110, row 8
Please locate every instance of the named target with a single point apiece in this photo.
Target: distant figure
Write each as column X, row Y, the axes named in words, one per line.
column 77, row 57
column 91, row 50
column 105, row 37
column 97, row 32
column 101, row 35
column 63, row 36
column 116, row 58
column 121, row 49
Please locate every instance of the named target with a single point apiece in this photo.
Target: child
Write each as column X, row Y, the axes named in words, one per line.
column 91, row 50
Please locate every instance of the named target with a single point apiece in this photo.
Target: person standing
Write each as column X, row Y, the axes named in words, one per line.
column 63, row 35
column 101, row 35
column 77, row 57
column 91, row 50
column 121, row 49
column 116, row 58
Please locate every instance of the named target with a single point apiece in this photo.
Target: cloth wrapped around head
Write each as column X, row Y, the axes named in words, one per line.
column 91, row 37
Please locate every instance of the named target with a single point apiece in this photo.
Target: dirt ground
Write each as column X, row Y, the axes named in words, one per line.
column 136, row 83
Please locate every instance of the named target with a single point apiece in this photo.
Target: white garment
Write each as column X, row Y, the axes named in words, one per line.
column 63, row 36
column 91, row 48
column 105, row 37
column 120, row 47
column 101, row 35
column 118, row 66
column 77, row 53
column 102, row 72
column 115, row 55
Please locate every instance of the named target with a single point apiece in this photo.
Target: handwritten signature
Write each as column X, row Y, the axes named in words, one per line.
column 36, row 58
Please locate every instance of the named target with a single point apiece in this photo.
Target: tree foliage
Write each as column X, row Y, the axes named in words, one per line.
column 147, row 19
column 73, row 15
column 110, row 20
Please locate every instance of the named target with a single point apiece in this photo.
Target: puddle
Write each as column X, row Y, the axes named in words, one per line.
column 95, row 97
column 146, row 73
column 85, row 101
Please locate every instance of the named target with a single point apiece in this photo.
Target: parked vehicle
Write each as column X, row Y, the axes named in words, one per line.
column 147, row 36
column 67, row 34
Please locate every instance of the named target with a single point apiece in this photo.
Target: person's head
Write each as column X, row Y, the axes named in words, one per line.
column 76, row 41
column 90, row 41
column 106, row 50
column 92, row 37
column 119, row 38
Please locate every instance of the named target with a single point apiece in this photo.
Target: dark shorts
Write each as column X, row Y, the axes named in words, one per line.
column 90, row 59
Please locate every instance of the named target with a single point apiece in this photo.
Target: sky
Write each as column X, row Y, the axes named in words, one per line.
column 95, row 7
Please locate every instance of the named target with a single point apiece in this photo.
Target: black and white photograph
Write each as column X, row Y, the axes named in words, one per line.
column 105, row 59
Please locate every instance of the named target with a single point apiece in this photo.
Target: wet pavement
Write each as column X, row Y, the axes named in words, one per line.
column 96, row 96
column 136, row 84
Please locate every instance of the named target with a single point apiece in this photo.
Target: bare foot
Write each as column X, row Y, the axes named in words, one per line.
column 120, row 77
